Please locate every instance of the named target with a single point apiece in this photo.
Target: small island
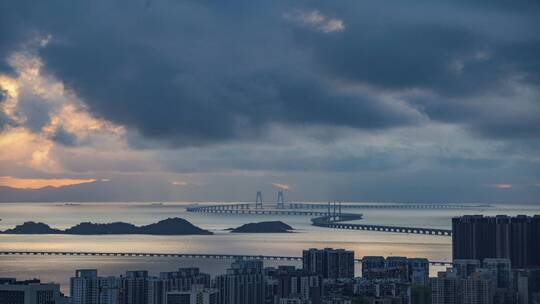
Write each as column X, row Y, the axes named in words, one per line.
column 170, row 226
column 264, row 227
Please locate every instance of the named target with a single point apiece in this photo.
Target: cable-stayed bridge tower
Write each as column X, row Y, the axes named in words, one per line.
column 334, row 209
column 259, row 200
column 280, row 201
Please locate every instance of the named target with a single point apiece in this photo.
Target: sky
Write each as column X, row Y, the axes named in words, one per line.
column 428, row 101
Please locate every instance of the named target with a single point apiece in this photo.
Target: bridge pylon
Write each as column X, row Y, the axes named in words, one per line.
column 329, row 213
column 280, row 202
column 259, row 201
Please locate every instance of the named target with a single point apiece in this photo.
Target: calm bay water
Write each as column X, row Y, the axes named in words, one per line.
column 58, row 269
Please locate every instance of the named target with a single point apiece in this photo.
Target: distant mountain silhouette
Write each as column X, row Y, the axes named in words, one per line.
column 33, row 228
column 111, row 228
column 264, row 227
column 170, row 226
column 98, row 191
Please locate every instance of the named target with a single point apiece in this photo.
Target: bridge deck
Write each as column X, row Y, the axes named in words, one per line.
column 248, row 209
column 282, row 206
column 172, row 255
column 337, row 222
column 380, row 206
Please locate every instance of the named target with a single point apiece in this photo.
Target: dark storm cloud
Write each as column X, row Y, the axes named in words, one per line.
column 34, row 110
column 64, row 137
column 217, row 80
column 465, row 54
column 287, row 162
column 510, row 115
column 448, row 48
column 196, row 72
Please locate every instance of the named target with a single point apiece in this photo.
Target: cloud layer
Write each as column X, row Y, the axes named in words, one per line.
column 192, row 72
column 306, row 87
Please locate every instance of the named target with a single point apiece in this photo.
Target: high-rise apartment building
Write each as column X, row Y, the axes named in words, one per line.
column 413, row 270
column 134, row 287
column 175, row 281
column 527, row 284
column 514, row 238
column 329, row 263
column 242, row 284
column 418, row 271
column 178, row 297
column 465, row 267
column 287, row 282
column 29, row 292
column 157, row 290
column 475, row 282
column 500, row 270
column 476, row 290
column 84, row 287
column 400, row 265
column 184, row 278
column 370, row 263
column 446, row 288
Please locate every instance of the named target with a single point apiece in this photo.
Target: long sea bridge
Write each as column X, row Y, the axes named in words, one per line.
column 248, row 208
column 288, row 208
column 333, row 221
column 292, row 205
column 173, row 255
column 332, row 217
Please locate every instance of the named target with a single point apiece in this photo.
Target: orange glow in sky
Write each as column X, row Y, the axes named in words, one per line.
column 281, row 186
column 30, row 183
column 503, row 186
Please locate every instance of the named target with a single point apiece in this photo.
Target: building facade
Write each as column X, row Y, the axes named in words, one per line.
column 329, row 263
column 514, row 238
column 134, row 287
column 29, row 292
column 86, row 287
column 242, row 284
column 198, row 294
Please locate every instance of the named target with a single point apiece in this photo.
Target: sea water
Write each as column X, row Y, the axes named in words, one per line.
column 60, row 215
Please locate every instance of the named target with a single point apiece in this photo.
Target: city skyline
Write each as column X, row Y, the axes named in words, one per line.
column 190, row 100
column 327, row 276
column 269, row 152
